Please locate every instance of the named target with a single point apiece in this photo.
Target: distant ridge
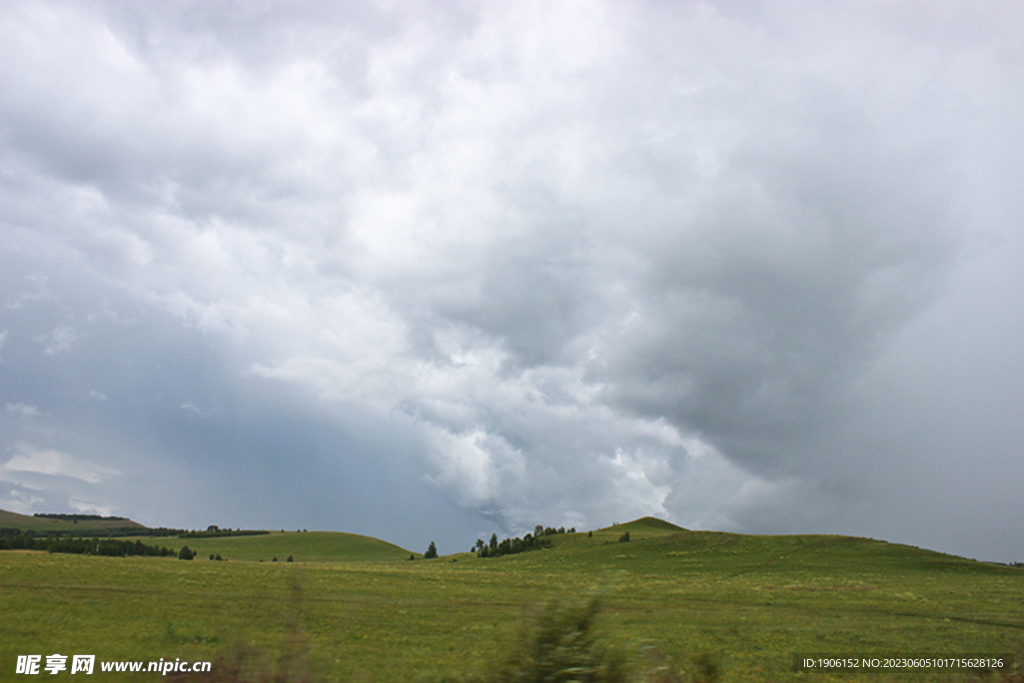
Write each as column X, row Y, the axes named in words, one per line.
column 646, row 523
column 46, row 522
column 659, row 541
column 303, row 546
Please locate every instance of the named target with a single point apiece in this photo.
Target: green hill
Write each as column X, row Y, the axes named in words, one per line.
column 647, row 524
column 314, row 546
column 13, row 520
column 658, row 546
column 303, row 546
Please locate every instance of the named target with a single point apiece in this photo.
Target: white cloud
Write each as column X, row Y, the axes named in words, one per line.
column 19, row 501
column 193, row 411
column 62, row 339
column 91, row 508
column 39, row 292
column 23, row 410
column 53, row 463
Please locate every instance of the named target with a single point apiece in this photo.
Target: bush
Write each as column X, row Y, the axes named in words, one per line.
column 624, row 538
column 431, row 552
column 706, row 669
column 185, row 553
column 562, row 647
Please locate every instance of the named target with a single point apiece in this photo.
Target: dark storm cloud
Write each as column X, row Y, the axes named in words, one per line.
column 511, row 264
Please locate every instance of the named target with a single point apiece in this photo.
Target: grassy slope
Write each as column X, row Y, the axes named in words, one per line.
column 315, row 546
column 12, row 520
column 753, row 601
column 312, row 546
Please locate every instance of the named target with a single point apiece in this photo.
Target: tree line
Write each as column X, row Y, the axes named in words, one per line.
column 79, row 546
column 216, row 532
column 508, row 546
column 75, row 517
column 159, row 532
column 512, row 546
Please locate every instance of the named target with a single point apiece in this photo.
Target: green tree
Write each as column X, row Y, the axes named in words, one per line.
column 431, row 552
column 185, row 553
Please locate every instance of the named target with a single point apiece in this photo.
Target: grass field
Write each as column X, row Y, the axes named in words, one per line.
column 750, row 602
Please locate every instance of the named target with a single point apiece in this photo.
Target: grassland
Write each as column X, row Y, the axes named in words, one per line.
column 12, row 520
column 749, row 601
column 302, row 546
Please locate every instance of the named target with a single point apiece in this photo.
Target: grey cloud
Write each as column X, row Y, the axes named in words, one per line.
column 547, row 264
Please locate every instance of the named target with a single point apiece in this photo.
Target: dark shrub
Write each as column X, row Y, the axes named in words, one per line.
column 562, row 647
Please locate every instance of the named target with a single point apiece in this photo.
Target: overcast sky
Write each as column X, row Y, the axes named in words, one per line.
column 428, row 271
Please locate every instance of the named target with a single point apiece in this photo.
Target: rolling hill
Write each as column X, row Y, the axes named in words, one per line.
column 314, row 546
column 303, row 546
column 13, row 520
